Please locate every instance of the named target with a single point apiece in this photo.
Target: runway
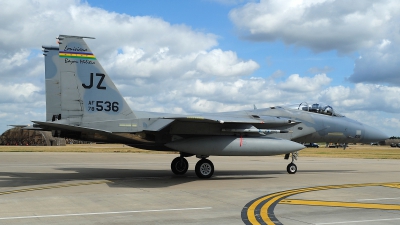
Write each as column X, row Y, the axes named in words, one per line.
column 133, row 188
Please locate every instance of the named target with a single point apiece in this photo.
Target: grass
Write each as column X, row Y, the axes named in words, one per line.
column 352, row 151
column 105, row 148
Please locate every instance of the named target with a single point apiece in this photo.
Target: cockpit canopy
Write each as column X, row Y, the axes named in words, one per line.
column 319, row 108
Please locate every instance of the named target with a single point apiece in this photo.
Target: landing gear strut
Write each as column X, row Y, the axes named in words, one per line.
column 291, row 167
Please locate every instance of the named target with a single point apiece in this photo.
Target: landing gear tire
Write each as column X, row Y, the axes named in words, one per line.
column 291, row 168
column 204, row 168
column 179, row 166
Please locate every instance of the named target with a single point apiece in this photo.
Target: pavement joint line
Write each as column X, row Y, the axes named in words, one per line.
column 261, row 210
column 376, row 199
column 54, row 187
column 103, row 213
column 358, row 221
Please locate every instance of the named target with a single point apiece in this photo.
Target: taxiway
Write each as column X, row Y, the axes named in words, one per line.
column 131, row 188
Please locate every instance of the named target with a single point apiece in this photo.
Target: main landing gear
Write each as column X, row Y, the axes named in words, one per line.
column 179, row 165
column 204, row 167
column 291, row 167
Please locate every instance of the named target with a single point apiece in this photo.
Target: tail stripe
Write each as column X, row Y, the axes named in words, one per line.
column 78, row 55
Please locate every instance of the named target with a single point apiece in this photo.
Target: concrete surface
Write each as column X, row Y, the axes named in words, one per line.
column 128, row 188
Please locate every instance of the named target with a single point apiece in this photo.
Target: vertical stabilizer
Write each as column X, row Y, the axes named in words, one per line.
column 52, row 77
column 87, row 93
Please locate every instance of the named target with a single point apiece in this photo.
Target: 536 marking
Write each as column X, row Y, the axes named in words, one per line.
column 99, row 106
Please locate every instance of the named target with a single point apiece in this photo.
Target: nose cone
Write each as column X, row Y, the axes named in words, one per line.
column 372, row 134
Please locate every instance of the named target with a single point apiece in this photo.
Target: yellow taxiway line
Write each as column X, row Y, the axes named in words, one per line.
column 261, row 210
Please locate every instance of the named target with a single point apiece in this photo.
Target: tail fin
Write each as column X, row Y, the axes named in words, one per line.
column 52, row 76
column 77, row 87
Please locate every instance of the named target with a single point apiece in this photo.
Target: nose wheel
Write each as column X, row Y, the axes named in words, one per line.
column 291, row 167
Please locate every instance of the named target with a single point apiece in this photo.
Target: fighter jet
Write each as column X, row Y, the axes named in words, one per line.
column 83, row 103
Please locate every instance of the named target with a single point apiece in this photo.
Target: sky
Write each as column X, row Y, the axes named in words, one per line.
column 213, row 56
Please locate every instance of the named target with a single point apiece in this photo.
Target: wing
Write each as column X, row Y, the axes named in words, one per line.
column 239, row 122
column 240, row 119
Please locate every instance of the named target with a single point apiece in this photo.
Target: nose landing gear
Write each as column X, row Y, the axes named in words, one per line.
column 291, row 167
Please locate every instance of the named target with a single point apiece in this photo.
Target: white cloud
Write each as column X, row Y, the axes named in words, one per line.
column 366, row 97
column 320, row 25
column 391, row 122
column 379, row 64
column 132, row 62
column 296, row 83
column 220, row 63
column 385, row 43
column 369, row 28
column 19, row 93
column 28, row 24
column 23, row 64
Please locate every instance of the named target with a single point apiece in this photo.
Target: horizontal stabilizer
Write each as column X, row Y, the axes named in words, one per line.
column 21, row 126
column 58, row 126
column 26, row 127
